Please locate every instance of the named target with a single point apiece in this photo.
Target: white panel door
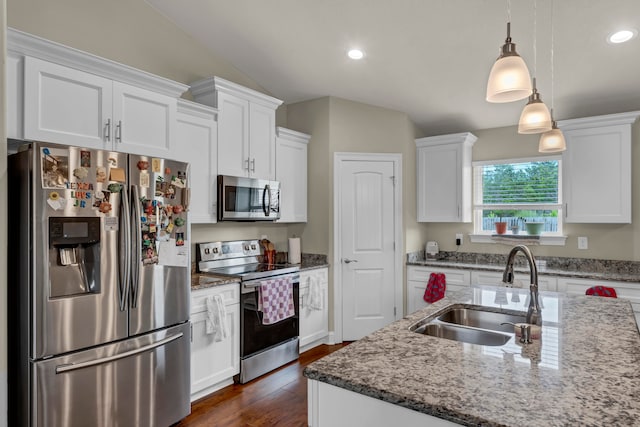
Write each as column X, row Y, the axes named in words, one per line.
column 143, row 121
column 368, row 253
column 66, row 106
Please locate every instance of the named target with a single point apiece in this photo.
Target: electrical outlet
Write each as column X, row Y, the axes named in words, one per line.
column 458, row 239
column 583, row 243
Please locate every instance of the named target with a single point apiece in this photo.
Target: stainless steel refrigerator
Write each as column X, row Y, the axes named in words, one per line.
column 98, row 298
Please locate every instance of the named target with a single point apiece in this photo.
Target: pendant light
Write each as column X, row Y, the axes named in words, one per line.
column 535, row 117
column 552, row 141
column 509, row 79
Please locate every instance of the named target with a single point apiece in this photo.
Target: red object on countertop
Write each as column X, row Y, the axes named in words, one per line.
column 602, row 291
column 435, row 288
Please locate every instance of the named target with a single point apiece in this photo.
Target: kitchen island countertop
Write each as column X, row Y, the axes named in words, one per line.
column 584, row 371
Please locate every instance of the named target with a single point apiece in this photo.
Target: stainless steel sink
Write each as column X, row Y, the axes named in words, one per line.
column 463, row 334
column 479, row 317
column 471, row 324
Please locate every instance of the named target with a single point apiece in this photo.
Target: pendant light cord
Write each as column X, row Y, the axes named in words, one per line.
column 535, row 37
column 552, row 83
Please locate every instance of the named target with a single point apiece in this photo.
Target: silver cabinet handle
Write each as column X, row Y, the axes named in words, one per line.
column 349, row 261
column 107, row 130
column 119, row 131
column 248, row 161
column 253, row 165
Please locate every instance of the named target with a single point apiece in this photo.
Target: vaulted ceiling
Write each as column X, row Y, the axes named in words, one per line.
column 427, row 58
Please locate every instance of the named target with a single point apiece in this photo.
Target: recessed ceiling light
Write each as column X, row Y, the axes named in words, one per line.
column 622, row 36
column 355, row 54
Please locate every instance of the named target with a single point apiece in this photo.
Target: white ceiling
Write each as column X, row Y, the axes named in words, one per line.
column 427, row 58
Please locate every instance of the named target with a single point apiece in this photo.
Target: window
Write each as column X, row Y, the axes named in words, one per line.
column 518, row 191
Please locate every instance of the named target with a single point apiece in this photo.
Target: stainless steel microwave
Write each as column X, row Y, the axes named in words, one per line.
column 247, row 199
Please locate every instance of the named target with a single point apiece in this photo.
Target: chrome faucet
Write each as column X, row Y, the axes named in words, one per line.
column 534, row 315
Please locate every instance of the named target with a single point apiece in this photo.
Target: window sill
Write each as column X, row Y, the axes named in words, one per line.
column 543, row 240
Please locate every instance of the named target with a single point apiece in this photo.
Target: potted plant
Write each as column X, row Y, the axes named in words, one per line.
column 501, row 226
column 515, row 225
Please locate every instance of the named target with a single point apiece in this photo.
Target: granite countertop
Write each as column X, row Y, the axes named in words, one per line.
column 207, row 280
column 584, row 371
column 621, row 271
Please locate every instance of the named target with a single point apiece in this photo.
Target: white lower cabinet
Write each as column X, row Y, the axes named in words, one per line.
column 626, row 290
column 314, row 321
column 214, row 363
column 521, row 280
column 418, row 277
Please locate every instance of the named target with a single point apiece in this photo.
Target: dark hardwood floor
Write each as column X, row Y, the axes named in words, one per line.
column 276, row 399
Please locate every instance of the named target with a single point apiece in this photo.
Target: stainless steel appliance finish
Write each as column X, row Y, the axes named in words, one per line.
column 247, row 199
column 98, row 331
column 262, row 347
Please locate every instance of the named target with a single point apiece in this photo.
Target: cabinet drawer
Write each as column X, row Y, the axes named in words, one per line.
column 454, row 277
column 230, row 294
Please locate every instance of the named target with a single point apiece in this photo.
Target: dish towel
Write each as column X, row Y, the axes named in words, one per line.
column 602, row 291
column 275, row 300
column 216, row 322
column 435, row 288
column 315, row 294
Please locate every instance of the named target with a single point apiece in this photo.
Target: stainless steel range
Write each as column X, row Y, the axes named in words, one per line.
column 263, row 347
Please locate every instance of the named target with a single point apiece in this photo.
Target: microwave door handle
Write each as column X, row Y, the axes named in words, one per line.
column 266, row 207
column 124, row 248
column 137, row 246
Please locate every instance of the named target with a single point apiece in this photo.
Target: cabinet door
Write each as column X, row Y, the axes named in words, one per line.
column 418, row 278
column 291, row 172
column 233, row 135
column 143, row 121
column 15, row 85
column 213, row 362
column 597, row 174
column 262, row 142
column 66, row 106
column 314, row 324
column 197, row 139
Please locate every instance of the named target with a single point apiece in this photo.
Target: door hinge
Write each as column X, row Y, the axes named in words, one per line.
column 393, row 180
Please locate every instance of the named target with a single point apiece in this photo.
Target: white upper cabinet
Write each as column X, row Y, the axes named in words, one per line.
column 66, row 106
column 291, row 172
column 444, row 177
column 596, row 168
column 75, row 98
column 246, row 127
column 196, row 140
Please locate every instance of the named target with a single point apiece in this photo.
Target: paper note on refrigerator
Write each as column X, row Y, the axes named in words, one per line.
column 171, row 254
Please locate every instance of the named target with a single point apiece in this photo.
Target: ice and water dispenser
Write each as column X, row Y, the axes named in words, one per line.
column 74, row 255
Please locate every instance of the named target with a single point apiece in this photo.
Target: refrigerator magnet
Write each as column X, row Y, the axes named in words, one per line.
column 101, row 174
column 55, row 168
column 81, row 173
column 142, row 165
column 156, row 165
column 117, row 174
column 144, row 180
column 85, row 159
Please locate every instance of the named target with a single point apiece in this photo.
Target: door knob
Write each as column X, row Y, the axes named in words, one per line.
column 349, row 261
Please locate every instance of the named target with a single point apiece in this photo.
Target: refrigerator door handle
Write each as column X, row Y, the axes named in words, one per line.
column 73, row 366
column 125, row 249
column 137, row 246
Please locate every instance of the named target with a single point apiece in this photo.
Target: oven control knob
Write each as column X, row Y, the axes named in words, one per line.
column 207, row 251
column 246, row 247
column 215, row 250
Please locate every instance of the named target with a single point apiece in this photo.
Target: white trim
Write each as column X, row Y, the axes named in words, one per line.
column 598, row 121
column 544, row 240
column 292, row 135
column 22, row 43
column 195, row 109
column 517, row 160
column 396, row 158
column 213, row 85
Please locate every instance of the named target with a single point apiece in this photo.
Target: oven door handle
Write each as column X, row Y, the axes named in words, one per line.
column 253, row 284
